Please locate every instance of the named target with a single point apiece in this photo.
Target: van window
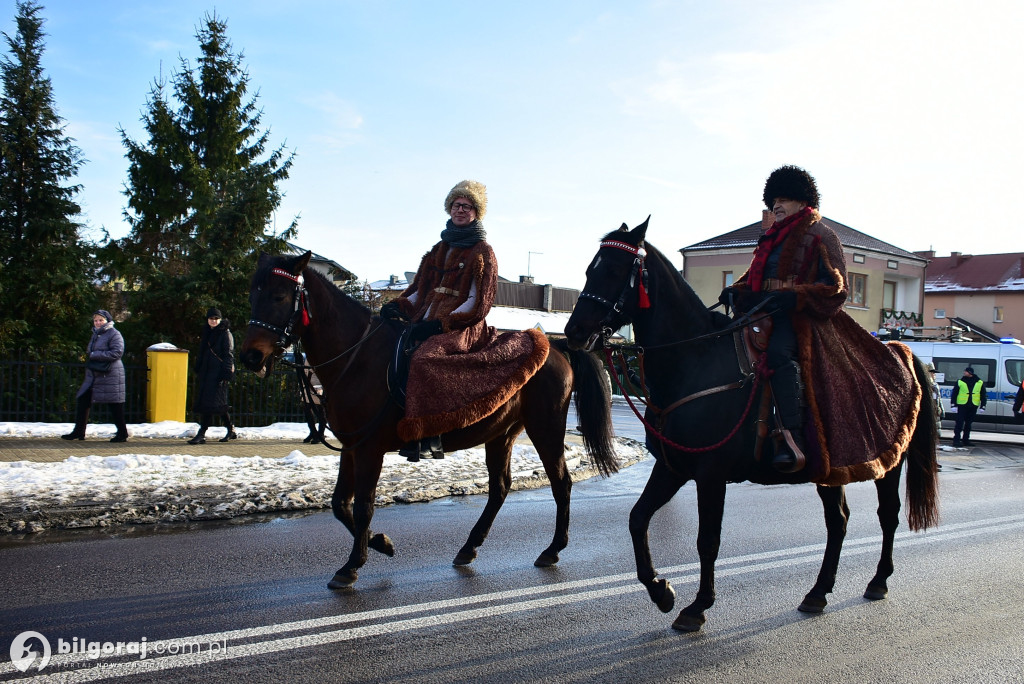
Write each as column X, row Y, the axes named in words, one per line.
column 1015, row 371
column 954, row 369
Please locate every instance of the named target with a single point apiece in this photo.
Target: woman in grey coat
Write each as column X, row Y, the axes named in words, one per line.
column 102, row 386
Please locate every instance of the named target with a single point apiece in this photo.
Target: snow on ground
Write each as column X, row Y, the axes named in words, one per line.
column 145, row 488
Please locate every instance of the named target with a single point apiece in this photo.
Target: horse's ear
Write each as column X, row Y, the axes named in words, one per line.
column 624, row 228
column 302, row 263
column 641, row 230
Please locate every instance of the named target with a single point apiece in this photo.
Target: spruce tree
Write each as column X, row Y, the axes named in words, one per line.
column 46, row 284
column 201, row 193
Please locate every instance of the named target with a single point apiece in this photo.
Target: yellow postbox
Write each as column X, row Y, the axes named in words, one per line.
column 167, row 383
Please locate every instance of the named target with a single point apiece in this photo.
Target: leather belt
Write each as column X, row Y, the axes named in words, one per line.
column 769, row 284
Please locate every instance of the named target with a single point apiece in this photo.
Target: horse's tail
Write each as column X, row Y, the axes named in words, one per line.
column 592, row 396
column 922, row 466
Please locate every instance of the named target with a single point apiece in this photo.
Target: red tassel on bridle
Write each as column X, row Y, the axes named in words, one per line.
column 644, row 302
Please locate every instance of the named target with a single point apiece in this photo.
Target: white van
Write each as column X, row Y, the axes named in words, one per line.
column 1000, row 367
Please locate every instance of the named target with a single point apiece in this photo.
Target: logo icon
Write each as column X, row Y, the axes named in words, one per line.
column 23, row 654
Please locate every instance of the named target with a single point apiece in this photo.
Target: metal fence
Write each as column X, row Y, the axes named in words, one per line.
column 44, row 392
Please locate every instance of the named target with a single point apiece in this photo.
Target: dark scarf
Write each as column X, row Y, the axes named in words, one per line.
column 463, row 236
column 769, row 241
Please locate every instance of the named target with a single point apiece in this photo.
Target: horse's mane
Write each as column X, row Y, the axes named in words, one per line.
column 715, row 320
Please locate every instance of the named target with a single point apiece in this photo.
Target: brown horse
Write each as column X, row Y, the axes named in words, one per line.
column 350, row 350
column 688, row 350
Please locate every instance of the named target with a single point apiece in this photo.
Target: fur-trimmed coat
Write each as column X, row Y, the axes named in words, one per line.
column 106, row 344
column 862, row 396
column 215, row 367
column 469, row 370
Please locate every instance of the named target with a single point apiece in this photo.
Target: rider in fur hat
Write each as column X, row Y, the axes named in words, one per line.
column 799, row 263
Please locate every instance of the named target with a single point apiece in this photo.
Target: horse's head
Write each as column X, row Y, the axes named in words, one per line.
column 277, row 299
column 614, row 291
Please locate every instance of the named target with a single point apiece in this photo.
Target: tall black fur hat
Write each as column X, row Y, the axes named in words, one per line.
column 790, row 182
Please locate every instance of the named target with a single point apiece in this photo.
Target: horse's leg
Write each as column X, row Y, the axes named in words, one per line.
column 550, row 445
column 498, row 455
column 710, row 507
column 888, row 487
column 366, row 468
column 837, row 514
column 341, row 505
column 662, row 485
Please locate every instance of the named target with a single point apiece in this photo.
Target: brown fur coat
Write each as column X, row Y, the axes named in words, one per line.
column 862, row 395
column 468, row 371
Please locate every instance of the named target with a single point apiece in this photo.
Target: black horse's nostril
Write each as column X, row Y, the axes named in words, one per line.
column 252, row 359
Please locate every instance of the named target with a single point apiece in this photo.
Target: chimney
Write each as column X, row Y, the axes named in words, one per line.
column 526, row 280
column 927, row 254
column 394, row 280
column 767, row 219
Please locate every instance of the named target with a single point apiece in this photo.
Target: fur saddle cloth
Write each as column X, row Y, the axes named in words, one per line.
column 863, row 400
column 461, row 377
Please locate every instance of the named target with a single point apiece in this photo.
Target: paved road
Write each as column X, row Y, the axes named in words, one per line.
column 252, row 597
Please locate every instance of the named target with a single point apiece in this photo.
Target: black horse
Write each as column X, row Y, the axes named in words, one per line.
column 687, row 349
column 350, row 350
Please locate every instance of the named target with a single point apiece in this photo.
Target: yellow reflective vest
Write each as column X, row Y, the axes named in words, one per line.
column 963, row 392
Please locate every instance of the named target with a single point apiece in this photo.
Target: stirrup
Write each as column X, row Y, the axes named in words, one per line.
column 790, row 461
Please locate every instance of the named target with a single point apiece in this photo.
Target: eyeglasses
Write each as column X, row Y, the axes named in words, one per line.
column 460, row 206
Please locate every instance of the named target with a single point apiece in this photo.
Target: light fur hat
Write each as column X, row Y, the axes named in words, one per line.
column 474, row 191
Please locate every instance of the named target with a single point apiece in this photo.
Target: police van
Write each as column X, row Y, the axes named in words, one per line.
column 999, row 365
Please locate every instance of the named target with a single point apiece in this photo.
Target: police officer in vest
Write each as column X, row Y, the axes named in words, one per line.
column 968, row 397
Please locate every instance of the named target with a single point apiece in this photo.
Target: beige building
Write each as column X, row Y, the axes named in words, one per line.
column 886, row 282
column 977, row 296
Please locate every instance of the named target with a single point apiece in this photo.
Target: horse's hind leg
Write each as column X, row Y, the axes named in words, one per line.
column 889, row 518
column 837, row 514
column 498, row 455
column 662, row 485
column 551, row 449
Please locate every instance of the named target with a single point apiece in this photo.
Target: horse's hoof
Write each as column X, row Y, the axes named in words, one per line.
column 464, row 558
column 667, row 599
column 546, row 560
column 688, row 623
column 382, row 543
column 342, row 580
column 812, row 604
column 876, row 593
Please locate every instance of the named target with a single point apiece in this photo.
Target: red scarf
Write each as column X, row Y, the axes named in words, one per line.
column 767, row 242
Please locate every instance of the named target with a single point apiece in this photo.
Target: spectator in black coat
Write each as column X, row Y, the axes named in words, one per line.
column 215, row 367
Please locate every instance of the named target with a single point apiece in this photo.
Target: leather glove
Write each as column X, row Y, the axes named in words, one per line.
column 422, row 331
column 785, row 300
column 392, row 311
column 728, row 297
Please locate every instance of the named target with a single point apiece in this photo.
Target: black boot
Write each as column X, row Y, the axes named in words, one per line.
column 200, row 437
column 231, row 428
column 81, row 419
column 122, row 428
column 787, row 391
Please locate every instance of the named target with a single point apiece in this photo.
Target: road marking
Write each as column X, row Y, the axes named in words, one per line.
column 505, row 603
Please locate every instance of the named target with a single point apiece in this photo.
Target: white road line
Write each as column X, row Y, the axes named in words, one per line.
column 506, row 603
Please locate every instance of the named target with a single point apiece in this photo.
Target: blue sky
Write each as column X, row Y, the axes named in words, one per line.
column 580, row 115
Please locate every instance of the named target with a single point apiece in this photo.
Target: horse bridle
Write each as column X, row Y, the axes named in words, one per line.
column 637, row 277
column 300, row 311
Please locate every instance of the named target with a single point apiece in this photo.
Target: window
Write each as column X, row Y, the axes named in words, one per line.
column 953, row 369
column 889, row 295
column 997, row 314
column 858, row 258
column 727, row 278
column 1015, row 371
column 940, row 313
column 858, row 289
column 893, row 264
